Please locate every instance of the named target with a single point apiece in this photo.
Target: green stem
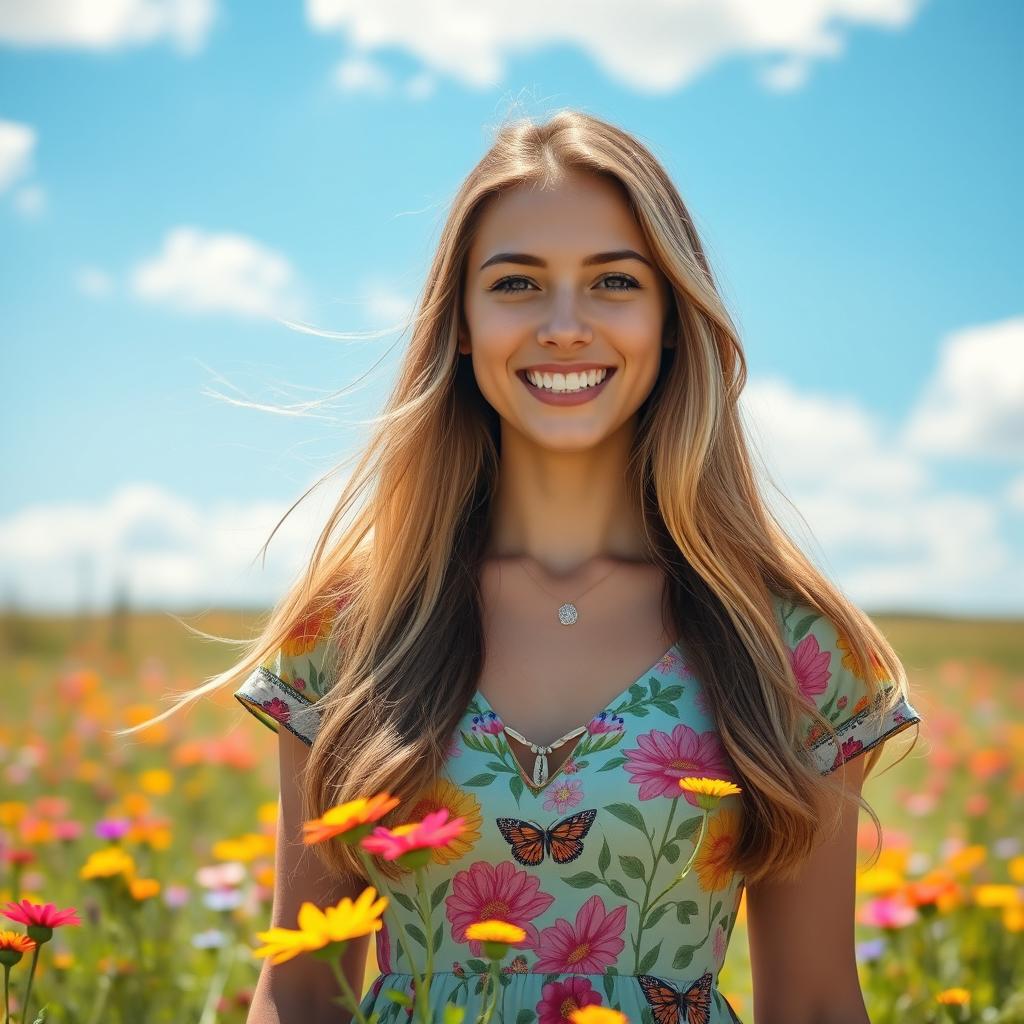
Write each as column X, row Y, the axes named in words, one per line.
column 493, row 984
column 423, row 993
column 7, row 994
column 375, row 878
column 346, row 988
column 682, row 874
column 217, row 983
column 655, row 859
column 28, row 987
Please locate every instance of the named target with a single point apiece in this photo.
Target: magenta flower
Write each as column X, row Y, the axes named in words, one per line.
column 488, row 722
column 660, row 760
column 433, row 831
column 112, row 828
column 40, row 915
column 588, row 946
column 606, row 721
column 276, row 708
column 810, row 666
column 887, row 912
column 556, row 996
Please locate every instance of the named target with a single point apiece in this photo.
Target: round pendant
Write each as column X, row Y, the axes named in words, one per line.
column 567, row 614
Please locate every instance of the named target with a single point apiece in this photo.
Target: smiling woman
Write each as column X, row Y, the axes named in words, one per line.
column 558, row 521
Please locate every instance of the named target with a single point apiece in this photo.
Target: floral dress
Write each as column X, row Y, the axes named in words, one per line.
column 588, row 863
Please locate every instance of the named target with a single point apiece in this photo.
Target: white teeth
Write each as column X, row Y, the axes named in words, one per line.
column 566, row 382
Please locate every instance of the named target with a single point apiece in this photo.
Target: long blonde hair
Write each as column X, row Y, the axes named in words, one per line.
column 399, row 584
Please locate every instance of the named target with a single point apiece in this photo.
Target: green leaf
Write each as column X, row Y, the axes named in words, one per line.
column 718, row 907
column 684, row 954
column 670, row 852
column 685, row 909
column 641, row 711
column 609, row 986
column 650, row 958
column 583, row 880
column 437, row 937
column 403, row 900
column 617, row 887
column 525, row 1016
column 632, row 867
column 629, row 814
column 615, row 762
column 802, row 627
column 515, row 784
column 657, row 914
column 672, row 693
column 414, row 931
column 667, row 709
column 483, row 779
column 500, row 766
column 604, row 858
column 655, row 686
column 439, row 894
column 688, row 827
column 636, row 691
column 477, row 966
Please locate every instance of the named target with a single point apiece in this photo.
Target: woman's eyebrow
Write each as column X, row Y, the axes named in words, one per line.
column 535, row 261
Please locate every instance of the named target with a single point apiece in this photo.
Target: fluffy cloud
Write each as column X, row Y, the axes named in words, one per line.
column 106, row 25
column 659, row 47
column 974, row 403
column 17, row 145
column 202, row 272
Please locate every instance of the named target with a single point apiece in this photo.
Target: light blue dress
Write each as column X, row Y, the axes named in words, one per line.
column 588, row 863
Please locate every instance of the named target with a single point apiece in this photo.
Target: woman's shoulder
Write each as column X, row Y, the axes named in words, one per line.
column 285, row 688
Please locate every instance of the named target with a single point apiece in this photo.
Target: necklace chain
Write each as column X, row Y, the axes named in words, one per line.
column 568, row 614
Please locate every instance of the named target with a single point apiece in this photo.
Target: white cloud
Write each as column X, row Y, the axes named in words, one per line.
column 974, row 403
column 658, row 48
column 167, row 551
column 203, row 272
column 30, row 201
column 1015, row 493
column 94, row 282
column 17, row 145
column 106, row 25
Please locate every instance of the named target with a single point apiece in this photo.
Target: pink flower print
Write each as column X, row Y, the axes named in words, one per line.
column 899, row 717
column 842, row 702
column 589, row 946
column 810, row 666
column 299, row 683
column 849, row 748
column 661, row 760
column 606, row 721
column 276, row 708
column 488, row 722
column 454, row 748
column 718, row 948
column 563, row 794
column 384, row 949
column 569, row 766
column 502, row 891
column 559, row 998
column 671, row 662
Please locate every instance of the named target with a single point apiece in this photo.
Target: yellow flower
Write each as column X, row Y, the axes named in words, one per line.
column 267, row 813
column 62, row 961
column 494, row 930
column 997, row 895
column 108, row 863
column 460, row 804
column 713, row 862
column 953, row 996
column 143, row 888
column 597, row 1015
column 12, row 811
column 318, row 928
column 879, row 880
column 708, row 791
column 156, row 782
column 1017, row 869
column 1013, row 918
column 855, row 665
column 245, row 849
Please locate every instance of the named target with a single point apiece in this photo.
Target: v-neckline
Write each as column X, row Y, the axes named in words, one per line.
column 527, row 776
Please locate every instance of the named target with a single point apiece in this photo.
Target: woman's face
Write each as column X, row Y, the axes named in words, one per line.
column 532, row 300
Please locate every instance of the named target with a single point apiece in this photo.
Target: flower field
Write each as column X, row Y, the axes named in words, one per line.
column 155, row 851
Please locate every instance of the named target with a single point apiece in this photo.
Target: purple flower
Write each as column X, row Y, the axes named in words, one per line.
column 210, row 939
column 870, row 950
column 112, row 828
column 176, row 895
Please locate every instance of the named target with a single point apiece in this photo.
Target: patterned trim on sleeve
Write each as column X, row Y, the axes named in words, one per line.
column 860, row 733
column 275, row 703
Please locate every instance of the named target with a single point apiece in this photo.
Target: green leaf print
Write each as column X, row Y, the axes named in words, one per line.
column 500, row 766
column 666, row 709
column 636, row 691
column 417, row 934
column 515, row 784
column 525, row 1017
column 583, row 880
column 615, row 762
column 477, row 966
column 688, row 827
column 685, row 909
column 629, row 814
column 401, row 898
column 657, row 914
column 650, row 958
column 618, row 888
column 671, row 852
column 684, row 954
column 632, row 867
column 609, row 986
column 483, row 779
column 641, row 711
column 439, row 894
column 604, row 858
column 801, row 629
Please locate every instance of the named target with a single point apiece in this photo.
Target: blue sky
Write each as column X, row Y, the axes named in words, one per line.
column 175, row 175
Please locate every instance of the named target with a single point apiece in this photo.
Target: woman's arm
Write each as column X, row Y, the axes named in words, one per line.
column 303, row 988
column 801, row 933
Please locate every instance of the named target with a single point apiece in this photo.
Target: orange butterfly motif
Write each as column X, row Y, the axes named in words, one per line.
column 666, row 1001
column 563, row 840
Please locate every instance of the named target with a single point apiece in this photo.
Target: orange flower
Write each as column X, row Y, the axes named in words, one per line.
column 307, row 633
column 714, row 861
column 458, row 803
column 853, row 663
column 143, row 888
column 352, row 819
column 13, row 946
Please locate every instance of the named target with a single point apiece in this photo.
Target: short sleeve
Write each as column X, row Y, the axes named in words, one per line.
column 830, row 677
column 285, row 688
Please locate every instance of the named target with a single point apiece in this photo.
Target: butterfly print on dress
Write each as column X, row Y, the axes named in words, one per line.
column 563, row 840
column 668, row 1003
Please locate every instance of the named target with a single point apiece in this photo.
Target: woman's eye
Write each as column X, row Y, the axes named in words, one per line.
column 504, row 284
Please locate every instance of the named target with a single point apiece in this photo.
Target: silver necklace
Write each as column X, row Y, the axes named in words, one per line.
column 568, row 613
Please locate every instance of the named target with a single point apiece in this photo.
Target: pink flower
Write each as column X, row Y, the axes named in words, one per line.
column 43, row 915
column 718, row 947
column 850, row 747
column 589, row 946
column 433, row 831
column 606, row 721
column 887, row 912
column 454, row 748
column 384, row 949
column 559, row 998
column 810, row 666
column 563, row 794
column 660, row 760
column 502, row 891
column 488, row 722
column 276, row 708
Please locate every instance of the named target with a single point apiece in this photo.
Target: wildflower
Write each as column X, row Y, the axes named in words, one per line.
column 221, row 876
column 13, row 946
column 496, row 935
column 112, row 828
column 887, row 912
column 40, row 918
column 212, row 938
column 143, row 888
column 320, row 929
column 156, row 781
column 108, row 863
column 244, row 849
column 411, row 844
column 351, row 820
column 595, row 1014
column 708, row 791
column 997, row 895
column 953, row 996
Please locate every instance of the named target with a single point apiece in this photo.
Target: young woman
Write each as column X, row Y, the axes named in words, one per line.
column 556, row 591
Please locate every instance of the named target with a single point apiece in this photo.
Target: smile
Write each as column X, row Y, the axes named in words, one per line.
column 566, row 389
